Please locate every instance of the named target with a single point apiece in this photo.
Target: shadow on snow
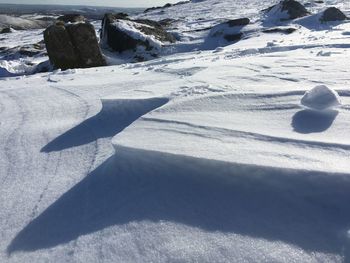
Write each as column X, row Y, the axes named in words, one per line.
column 306, row 209
column 114, row 116
column 309, row 121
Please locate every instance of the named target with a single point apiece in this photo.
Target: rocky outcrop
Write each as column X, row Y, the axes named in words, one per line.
column 229, row 31
column 282, row 30
column 238, row 22
column 287, row 10
column 60, row 47
column 332, row 14
column 165, row 6
column 6, row 30
column 71, row 18
column 121, row 33
column 73, row 46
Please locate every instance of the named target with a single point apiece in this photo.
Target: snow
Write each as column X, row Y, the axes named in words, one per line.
column 205, row 154
column 131, row 29
column 19, row 23
column 321, row 98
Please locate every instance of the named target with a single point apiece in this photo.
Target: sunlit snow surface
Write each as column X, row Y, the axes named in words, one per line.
column 201, row 156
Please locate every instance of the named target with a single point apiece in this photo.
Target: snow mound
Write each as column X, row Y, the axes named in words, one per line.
column 321, row 98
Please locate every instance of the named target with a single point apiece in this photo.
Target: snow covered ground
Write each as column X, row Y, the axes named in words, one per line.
column 204, row 155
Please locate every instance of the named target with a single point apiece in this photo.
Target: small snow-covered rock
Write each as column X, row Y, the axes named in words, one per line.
column 321, row 98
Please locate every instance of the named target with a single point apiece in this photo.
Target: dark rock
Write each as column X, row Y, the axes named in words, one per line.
column 287, row 31
column 60, row 47
column 233, row 37
column 44, row 66
column 157, row 7
column 71, row 18
column 294, row 9
column 165, row 6
column 333, row 14
column 84, row 40
column 119, row 40
column 166, row 22
column 238, row 22
column 121, row 15
column 73, row 46
column 6, row 30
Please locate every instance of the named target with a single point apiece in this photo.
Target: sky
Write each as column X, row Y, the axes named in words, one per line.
column 117, row 3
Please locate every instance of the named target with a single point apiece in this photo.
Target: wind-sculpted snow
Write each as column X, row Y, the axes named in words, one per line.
column 218, row 204
column 115, row 115
column 202, row 155
column 227, row 126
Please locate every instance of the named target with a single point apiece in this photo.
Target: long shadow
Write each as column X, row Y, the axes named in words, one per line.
column 309, row 121
column 306, row 209
column 114, row 116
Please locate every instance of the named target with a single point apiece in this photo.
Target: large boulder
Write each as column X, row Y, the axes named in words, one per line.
column 83, row 38
column 332, row 14
column 73, row 46
column 60, row 47
column 287, row 10
column 122, row 34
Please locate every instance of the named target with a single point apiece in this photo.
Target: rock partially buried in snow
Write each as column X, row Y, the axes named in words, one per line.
column 6, row 30
column 72, row 18
column 321, row 98
column 122, row 34
column 238, row 22
column 287, row 9
column 73, row 46
column 333, row 14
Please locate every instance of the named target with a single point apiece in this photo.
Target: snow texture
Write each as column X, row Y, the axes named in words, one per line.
column 202, row 155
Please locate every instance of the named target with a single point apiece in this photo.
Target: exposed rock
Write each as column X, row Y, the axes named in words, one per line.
column 165, row 6
column 6, row 30
column 60, row 47
column 73, row 46
column 167, row 22
column 230, row 30
column 293, row 8
column 122, row 34
column 233, row 37
column 238, row 22
column 71, row 18
column 84, row 40
column 333, row 14
column 157, row 7
column 121, row 15
column 282, row 30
